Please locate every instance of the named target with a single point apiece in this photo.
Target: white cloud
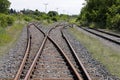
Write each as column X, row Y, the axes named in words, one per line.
column 64, row 6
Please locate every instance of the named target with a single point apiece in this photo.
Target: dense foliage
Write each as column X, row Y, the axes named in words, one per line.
column 53, row 15
column 4, row 6
column 101, row 14
column 6, row 20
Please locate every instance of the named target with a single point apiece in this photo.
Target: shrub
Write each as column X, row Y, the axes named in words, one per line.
column 116, row 22
column 113, row 22
column 6, row 20
column 54, row 19
column 3, row 20
column 27, row 19
column 38, row 18
column 10, row 20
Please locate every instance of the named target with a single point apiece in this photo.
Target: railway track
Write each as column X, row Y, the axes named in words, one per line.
column 105, row 35
column 109, row 33
column 50, row 62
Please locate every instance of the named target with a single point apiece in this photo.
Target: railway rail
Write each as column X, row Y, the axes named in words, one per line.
column 65, row 68
column 105, row 35
column 109, row 33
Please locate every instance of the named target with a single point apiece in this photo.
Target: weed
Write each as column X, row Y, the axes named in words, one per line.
column 8, row 36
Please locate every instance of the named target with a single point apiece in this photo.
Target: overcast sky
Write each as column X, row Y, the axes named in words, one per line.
column 62, row 6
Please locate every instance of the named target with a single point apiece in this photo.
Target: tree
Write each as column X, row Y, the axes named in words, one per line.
column 11, row 11
column 14, row 11
column 36, row 12
column 4, row 6
column 52, row 13
column 103, row 13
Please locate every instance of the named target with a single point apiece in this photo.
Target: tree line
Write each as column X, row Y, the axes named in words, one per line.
column 101, row 14
column 9, row 16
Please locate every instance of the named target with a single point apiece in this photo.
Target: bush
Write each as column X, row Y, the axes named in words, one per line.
column 27, row 19
column 116, row 22
column 113, row 22
column 3, row 20
column 6, row 20
column 10, row 20
column 38, row 18
column 54, row 19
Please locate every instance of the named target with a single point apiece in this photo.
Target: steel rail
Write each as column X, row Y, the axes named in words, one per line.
column 67, row 59
column 111, row 34
column 26, row 53
column 102, row 36
column 37, row 55
column 78, row 77
column 65, row 56
column 25, row 56
column 35, row 59
column 86, row 76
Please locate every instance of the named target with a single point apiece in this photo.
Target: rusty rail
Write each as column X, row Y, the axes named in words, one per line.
column 27, row 53
column 67, row 59
column 104, row 37
column 35, row 59
column 77, row 75
column 65, row 56
column 37, row 55
column 86, row 76
column 25, row 56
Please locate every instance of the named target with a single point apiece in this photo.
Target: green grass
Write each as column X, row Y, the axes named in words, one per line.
column 8, row 36
column 107, row 56
column 4, row 37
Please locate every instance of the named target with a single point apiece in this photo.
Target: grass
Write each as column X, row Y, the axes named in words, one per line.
column 107, row 56
column 8, row 36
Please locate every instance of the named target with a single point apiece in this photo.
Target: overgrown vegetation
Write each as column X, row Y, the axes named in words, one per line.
column 101, row 14
column 107, row 56
column 9, row 28
column 8, row 36
column 6, row 20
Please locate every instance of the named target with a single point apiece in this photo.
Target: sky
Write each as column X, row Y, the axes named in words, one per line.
column 62, row 6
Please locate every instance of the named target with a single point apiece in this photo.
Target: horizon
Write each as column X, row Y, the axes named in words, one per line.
column 62, row 7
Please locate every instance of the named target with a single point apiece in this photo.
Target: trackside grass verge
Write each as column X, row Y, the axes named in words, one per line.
column 8, row 36
column 107, row 56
